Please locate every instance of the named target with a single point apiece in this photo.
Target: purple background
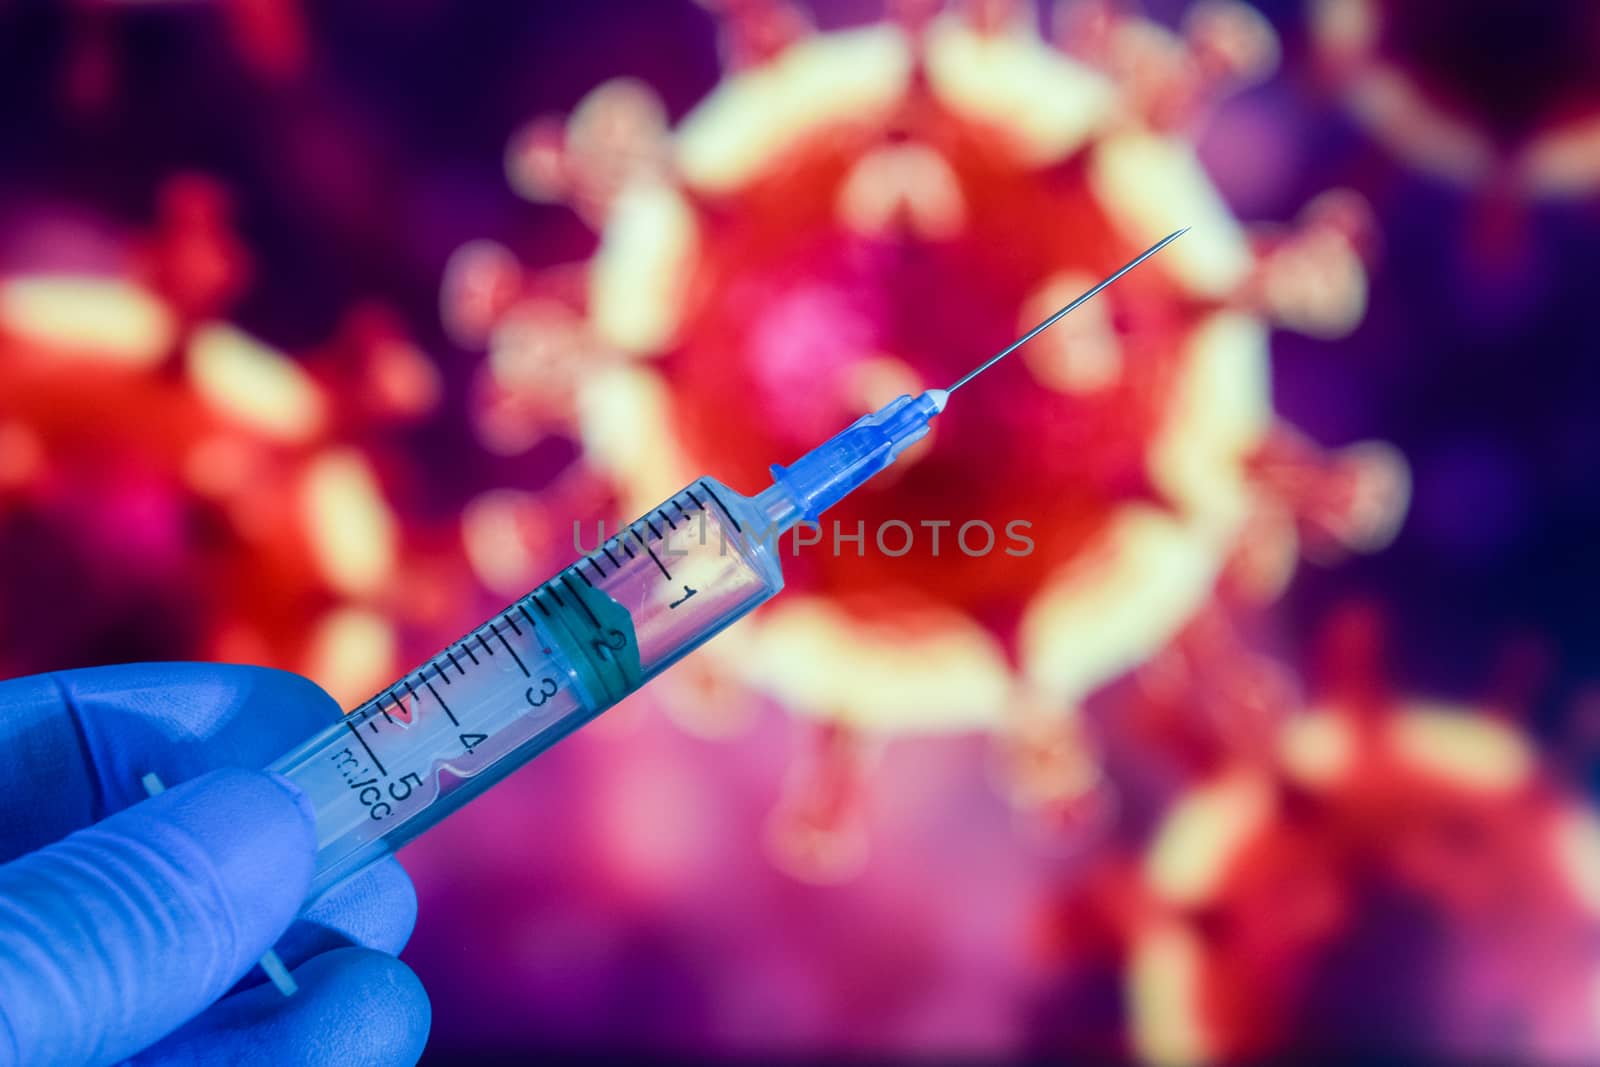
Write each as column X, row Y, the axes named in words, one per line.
column 356, row 177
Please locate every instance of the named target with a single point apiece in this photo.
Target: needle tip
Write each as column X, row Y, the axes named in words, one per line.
column 1025, row 338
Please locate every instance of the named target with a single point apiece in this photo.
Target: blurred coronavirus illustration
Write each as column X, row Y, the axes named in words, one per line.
column 790, row 255
column 1213, row 685
column 1368, row 833
column 165, row 466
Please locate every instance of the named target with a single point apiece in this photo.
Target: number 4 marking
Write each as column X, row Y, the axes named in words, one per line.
column 472, row 741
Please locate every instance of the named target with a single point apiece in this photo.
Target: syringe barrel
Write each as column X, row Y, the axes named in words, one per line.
column 553, row 660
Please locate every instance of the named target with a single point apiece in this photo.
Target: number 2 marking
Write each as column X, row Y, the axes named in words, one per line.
column 615, row 641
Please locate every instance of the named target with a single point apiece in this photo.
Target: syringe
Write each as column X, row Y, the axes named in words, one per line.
column 597, row 631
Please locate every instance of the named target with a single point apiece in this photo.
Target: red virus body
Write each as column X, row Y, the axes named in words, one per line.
column 855, row 214
column 1490, row 93
column 201, row 493
column 1400, row 876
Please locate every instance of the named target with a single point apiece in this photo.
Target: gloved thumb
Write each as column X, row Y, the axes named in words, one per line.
column 120, row 932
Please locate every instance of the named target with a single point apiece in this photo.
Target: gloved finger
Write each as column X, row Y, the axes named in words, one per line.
column 81, row 741
column 180, row 719
column 355, row 1007
column 375, row 909
column 120, row 932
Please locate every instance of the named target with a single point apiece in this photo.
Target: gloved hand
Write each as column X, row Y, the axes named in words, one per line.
column 124, row 919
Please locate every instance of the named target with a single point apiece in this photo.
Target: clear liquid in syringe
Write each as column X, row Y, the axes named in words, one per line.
column 529, row 676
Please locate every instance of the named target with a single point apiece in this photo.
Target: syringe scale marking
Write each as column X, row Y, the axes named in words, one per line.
column 398, row 712
column 442, row 705
column 370, row 755
column 663, row 567
column 718, row 500
column 522, row 666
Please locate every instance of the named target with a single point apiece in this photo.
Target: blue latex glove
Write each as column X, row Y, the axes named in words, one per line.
column 124, row 919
